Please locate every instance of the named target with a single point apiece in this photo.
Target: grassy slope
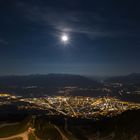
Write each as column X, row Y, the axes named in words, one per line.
column 8, row 131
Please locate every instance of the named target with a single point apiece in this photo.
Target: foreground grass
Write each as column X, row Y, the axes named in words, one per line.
column 31, row 137
column 16, row 139
column 8, row 131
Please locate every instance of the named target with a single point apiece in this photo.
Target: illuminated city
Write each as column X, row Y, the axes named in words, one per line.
column 78, row 106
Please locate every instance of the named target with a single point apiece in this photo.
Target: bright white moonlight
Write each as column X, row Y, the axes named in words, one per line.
column 64, row 38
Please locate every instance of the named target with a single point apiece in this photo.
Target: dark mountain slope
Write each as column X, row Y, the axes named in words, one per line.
column 50, row 80
column 133, row 78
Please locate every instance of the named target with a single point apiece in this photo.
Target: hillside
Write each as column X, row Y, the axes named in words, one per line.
column 50, row 80
column 122, row 127
column 133, row 78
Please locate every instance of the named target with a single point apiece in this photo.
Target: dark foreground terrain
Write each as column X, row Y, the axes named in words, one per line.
column 122, row 127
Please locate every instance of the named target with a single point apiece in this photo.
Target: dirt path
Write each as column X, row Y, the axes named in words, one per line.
column 8, row 124
column 23, row 135
column 62, row 135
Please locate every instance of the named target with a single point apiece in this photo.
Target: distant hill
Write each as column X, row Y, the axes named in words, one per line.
column 128, row 79
column 50, row 80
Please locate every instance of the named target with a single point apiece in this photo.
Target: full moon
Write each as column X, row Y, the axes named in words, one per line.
column 64, row 38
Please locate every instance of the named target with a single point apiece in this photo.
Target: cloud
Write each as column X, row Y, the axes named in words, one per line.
column 65, row 20
column 89, row 23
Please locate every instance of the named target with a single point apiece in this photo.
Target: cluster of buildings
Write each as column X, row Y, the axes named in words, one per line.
column 72, row 106
column 80, row 106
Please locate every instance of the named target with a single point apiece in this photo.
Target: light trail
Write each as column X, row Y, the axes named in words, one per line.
column 71, row 108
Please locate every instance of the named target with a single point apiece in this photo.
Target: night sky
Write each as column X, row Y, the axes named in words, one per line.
column 104, row 37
